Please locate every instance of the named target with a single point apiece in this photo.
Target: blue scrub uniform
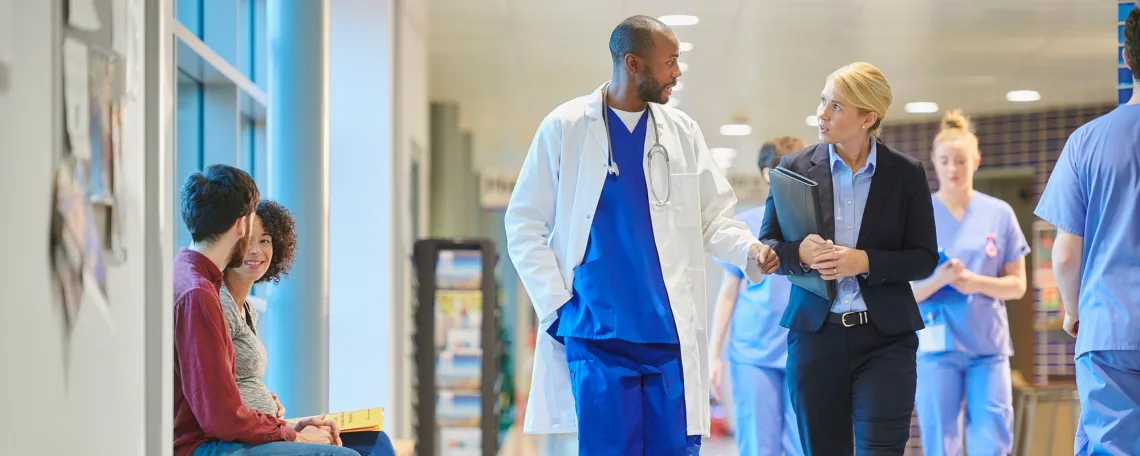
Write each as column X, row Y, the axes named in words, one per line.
column 1094, row 192
column 621, row 341
column 757, row 357
column 965, row 348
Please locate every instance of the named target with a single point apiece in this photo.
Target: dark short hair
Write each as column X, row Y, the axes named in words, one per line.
column 634, row 36
column 214, row 199
column 1132, row 41
column 278, row 224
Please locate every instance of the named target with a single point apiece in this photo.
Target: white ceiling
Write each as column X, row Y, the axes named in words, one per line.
column 509, row 62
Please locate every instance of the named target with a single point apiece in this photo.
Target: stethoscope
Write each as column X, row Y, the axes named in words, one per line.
column 655, row 149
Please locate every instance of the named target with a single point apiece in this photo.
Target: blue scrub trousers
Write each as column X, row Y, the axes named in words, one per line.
column 1108, row 383
column 944, row 380
column 765, row 420
column 630, row 398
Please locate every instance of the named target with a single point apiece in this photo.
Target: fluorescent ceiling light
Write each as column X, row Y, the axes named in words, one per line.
column 686, row 46
column 727, row 152
column 673, row 102
column 812, row 121
column 921, row 107
column 736, row 130
column 684, row 66
column 1022, row 96
column 676, row 20
column 678, row 86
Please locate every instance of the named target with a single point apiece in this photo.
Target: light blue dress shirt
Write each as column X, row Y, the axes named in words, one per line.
column 849, row 190
column 1094, row 192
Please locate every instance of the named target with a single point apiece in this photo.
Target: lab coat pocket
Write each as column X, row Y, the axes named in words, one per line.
column 685, row 198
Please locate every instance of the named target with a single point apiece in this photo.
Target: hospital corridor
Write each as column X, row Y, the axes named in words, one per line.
column 563, row 228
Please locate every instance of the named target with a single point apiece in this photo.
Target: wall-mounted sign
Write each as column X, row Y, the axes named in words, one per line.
column 495, row 187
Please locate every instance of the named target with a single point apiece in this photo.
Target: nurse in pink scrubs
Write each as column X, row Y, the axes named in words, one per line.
column 964, row 350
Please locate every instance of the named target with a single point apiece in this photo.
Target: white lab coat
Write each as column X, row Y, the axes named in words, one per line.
column 548, row 223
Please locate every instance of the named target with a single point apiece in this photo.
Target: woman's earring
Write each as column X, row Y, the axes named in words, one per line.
column 864, row 127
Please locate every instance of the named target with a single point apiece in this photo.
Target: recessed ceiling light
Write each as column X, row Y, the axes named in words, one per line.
column 683, row 66
column 673, row 102
column 686, row 46
column 921, row 107
column 1022, row 96
column 724, row 152
column 678, row 86
column 812, row 121
column 676, row 20
column 736, row 130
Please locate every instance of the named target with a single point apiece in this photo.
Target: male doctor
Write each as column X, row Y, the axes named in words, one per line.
column 616, row 205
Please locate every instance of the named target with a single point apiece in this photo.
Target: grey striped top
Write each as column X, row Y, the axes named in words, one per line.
column 249, row 354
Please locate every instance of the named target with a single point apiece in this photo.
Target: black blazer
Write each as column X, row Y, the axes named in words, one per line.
column 897, row 233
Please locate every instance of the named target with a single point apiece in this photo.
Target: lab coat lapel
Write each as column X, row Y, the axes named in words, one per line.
column 599, row 143
column 820, row 172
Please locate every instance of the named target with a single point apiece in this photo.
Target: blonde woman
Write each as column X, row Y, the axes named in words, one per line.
column 965, row 348
column 851, row 360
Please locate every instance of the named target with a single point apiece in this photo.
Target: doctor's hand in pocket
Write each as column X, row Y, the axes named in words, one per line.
column 765, row 257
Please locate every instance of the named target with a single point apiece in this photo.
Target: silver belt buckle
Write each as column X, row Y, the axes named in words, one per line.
column 843, row 319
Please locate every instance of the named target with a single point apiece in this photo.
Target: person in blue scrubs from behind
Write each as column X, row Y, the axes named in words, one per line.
column 1093, row 198
column 758, row 351
column 965, row 348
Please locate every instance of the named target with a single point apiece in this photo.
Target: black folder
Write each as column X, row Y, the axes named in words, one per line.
column 797, row 208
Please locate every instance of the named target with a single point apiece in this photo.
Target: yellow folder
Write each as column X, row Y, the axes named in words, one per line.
column 371, row 419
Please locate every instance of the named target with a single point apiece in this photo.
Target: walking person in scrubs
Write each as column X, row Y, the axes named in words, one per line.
column 616, row 206
column 1093, row 198
column 758, row 350
column 964, row 350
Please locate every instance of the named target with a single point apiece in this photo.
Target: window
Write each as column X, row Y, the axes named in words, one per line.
column 220, row 54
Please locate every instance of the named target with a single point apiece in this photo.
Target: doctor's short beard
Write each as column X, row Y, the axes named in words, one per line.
column 651, row 91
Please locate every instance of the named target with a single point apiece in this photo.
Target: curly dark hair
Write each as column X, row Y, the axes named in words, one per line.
column 278, row 223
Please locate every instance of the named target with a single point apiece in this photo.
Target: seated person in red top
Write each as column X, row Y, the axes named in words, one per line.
column 209, row 417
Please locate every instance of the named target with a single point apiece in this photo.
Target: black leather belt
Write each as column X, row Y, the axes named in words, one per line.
column 849, row 319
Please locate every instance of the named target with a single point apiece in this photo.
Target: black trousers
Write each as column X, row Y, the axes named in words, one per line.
column 852, row 389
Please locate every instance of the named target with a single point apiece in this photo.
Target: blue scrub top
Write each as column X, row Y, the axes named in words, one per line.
column 987, row 239
column 1094, row 192
column 757, row 337
column 619, row 290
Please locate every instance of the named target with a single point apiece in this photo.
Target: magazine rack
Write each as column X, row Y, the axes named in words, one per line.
column 457, row 348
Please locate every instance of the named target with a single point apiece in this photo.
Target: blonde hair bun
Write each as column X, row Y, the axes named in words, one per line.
column 956, row 120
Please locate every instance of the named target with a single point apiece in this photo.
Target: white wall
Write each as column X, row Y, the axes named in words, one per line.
column 62, row 392
column 412, row 144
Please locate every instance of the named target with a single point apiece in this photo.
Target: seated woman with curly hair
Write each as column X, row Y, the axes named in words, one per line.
column 269, row 259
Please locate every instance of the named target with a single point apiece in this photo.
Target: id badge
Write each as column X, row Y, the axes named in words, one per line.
column 932, row 339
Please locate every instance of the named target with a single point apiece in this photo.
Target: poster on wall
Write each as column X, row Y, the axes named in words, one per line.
column 103, row 118
column 76, row 249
